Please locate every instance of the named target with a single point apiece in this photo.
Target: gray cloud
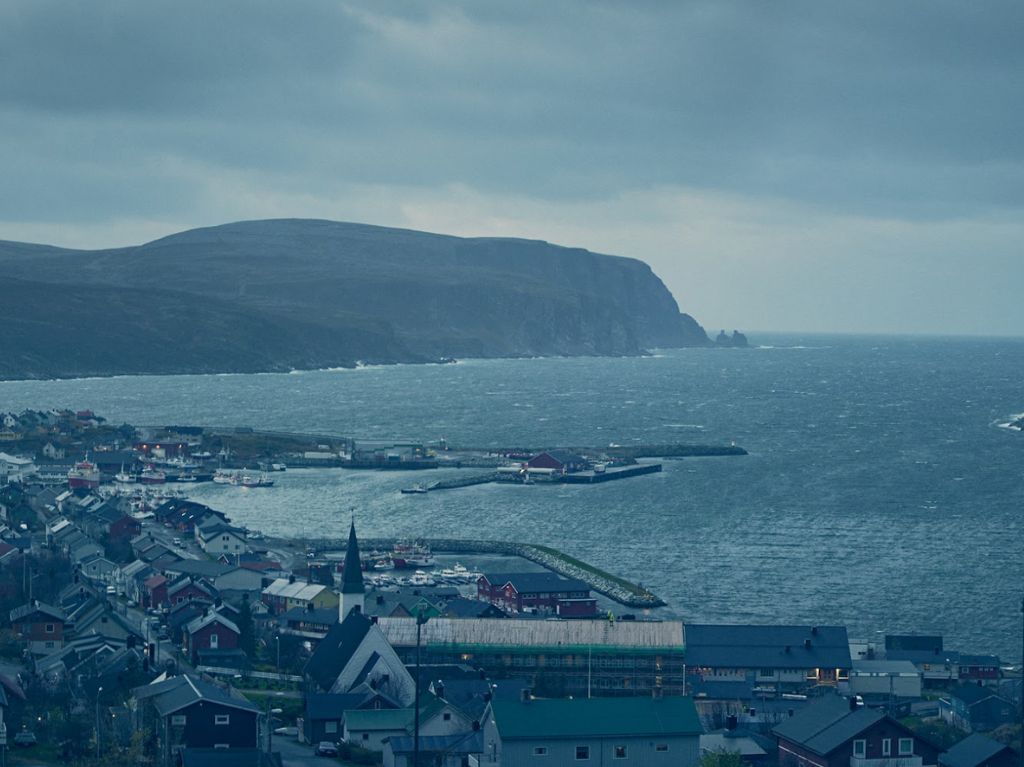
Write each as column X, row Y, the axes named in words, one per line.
column 125, row 111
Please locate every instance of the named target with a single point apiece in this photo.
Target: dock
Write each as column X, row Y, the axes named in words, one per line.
column 611, row 473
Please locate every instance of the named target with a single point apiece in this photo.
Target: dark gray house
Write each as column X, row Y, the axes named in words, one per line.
column 186, row 712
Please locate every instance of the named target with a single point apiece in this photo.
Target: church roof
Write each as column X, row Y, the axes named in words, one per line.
column 352, row 578
column 336, row 649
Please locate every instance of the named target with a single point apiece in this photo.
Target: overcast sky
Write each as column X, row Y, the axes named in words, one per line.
column 788, row 165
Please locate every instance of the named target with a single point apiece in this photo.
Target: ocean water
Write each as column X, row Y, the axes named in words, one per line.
column 881, row 491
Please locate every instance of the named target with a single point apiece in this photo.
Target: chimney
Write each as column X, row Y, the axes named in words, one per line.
column 439, row 689
column 814, row 631
column 854, row 705
column 380, row 599
column 807, row 644
column 731, row 722
column 291, row 578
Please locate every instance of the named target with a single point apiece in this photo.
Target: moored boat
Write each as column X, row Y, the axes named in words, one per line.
column 152, row 476
column 84, row 474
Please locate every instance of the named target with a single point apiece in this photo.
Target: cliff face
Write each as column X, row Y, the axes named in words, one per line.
column 282, row 294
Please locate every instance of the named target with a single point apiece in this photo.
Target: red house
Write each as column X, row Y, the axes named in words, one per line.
column 185, row 589
column 124, row 528
column 155, row 591
column 836, row 732
column 978, row 667
column 40, row 626
column 211, row 631
column 537, row 592
column 561, row 461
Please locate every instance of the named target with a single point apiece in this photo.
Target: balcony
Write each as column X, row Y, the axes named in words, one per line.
column 887, row 761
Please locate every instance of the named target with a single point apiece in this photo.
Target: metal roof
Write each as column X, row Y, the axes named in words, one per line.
column 596, row 717
column 756, row 646
column 826, row 725
column 285, row 589
column 972, row 751
column 516, row 634
column 538, row 582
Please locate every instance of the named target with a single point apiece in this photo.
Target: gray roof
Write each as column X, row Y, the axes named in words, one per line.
column 200, row 567
column 752, row 646
column 336, row 649
column 47, row 611
column 530, row 583
column 826, row 725
column 458, row 743
column 180, row 692
column 974, row 750
column 333, row 705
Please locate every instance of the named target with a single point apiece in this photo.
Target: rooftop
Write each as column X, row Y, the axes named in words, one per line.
column 596, row 717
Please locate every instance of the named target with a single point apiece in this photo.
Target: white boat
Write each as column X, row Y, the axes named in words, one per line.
column 252, row 480
column 187, row 477
column 123, row 477
column 420, row 578
column 224, row 477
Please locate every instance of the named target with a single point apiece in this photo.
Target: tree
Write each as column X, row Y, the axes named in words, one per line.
column 247, row 629
column 721, row 758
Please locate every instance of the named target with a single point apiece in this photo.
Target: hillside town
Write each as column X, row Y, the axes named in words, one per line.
column 147, row 628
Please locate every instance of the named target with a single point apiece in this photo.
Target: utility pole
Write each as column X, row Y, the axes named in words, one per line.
column 99, row 691
column 420, row 620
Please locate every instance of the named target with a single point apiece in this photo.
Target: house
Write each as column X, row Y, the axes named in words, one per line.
column 558, row 461
column 838, row 732
column 937, row 665
column 40, row 626
column 355, row 656
column 884, row 679
column 977, row 750
column 973, row 708
column 188, row 588
column 370, row 728
column 754, row 748
column 774, row 659
column 636, row 730
column 98, row 569
column 325, row 712
column 14, row 468
column 978, row 667
column 308, row 624
column 287, row 593
column 444, row 750
column 155, row 591
column 545, row 592
column 402, row 603
column 575, row 657
column 215, row 536
column 96, row 617
column 186, row 712
column 212, row 631
column 53, row 452
column 460, row 607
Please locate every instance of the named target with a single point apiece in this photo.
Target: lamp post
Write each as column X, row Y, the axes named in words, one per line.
column 420, row 620
column 99, row 691
column 277, row 641
column 270, row 725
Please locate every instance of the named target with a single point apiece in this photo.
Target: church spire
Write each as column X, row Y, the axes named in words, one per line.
column 352, row 588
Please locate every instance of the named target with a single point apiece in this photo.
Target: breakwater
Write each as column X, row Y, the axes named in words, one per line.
column 620, row 590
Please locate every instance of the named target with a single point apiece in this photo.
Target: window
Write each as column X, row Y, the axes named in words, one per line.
column 222, row 745
column 48, row 628
column 582, row 753
column 331, row 727
column 860, row 748
column 886, row 746
column 366, row 736
column 540, row 751
column 178, row 720
column 447, row 716
column 906, row 746
column 661, row 747
column 619, row 752
column 214, row 641
column 221, row 718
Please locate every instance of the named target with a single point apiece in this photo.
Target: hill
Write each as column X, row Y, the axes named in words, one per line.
column 284, row 294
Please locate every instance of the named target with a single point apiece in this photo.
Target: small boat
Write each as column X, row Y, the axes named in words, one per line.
column 187, row 477
column 420, row 578
column 223, row 477
column 152, row 476
column 414, row 490
column 384, row 564
column 123, row 477
column 251, row 480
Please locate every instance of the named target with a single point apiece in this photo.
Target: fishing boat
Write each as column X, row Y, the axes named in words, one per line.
column 223, row 477
column 253, row 480
column 123, row 477
column 84, row 474
column 414, row 490
column 152, row 476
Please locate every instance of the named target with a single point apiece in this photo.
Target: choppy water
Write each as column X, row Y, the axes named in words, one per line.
column 880, row 491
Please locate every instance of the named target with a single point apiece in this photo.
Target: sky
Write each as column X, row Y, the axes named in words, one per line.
column 808, row 166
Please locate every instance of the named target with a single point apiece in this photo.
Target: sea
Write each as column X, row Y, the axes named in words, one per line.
column 882, row 491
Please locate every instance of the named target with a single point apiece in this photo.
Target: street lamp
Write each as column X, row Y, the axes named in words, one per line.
column 270, row 724
column 277, row 641
column 99, row 691
column 420, row 620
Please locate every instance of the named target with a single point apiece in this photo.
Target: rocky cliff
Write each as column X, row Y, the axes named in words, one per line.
column 285, row 294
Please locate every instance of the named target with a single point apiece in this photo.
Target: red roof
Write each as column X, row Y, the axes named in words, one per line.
column 155, row 581
column 261, row 566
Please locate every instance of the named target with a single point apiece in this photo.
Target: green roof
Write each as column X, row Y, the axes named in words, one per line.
column 596, row 717
column 391, row 718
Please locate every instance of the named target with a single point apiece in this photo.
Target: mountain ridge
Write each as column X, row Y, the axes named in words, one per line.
column 329, row 294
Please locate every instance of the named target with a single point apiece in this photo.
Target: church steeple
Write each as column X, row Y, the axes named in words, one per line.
column 353, row 590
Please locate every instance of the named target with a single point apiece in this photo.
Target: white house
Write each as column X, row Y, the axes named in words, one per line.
column 644, row 731
column 14, row 468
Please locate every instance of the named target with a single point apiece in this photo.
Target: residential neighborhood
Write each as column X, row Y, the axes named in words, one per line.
column 167, row 635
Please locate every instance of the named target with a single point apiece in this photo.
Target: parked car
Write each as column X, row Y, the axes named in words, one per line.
column 177, row 541
column 326, row 748
column 26, row 739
